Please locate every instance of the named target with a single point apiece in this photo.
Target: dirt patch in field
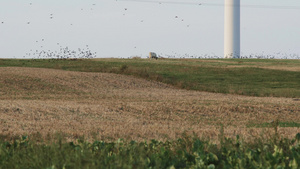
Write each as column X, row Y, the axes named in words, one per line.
column 109, row 106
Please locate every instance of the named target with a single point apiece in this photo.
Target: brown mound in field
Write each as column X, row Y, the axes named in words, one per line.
column 48, row 83
column 109, row 106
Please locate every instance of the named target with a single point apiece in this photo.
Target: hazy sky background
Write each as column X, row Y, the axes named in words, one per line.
column 128, row 28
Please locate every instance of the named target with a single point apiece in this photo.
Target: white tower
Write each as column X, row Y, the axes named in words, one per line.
column 232, row 29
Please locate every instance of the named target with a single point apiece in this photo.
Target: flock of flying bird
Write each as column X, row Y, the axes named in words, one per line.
column 62, row 53
column 52, row 16
column 66, row 53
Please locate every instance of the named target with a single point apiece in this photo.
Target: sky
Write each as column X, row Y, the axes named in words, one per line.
column 129, row 28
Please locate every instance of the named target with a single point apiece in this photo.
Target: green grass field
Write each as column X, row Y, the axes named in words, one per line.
column 252, row 77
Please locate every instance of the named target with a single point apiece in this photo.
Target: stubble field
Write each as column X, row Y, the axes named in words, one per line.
column 106, row 106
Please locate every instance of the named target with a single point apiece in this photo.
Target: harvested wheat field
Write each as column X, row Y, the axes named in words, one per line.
column 110, row 106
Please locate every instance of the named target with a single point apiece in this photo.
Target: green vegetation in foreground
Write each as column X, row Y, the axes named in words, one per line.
column 186, row 152
column 213, row 75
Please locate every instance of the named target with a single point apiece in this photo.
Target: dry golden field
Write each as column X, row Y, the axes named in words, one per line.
column 109, row 106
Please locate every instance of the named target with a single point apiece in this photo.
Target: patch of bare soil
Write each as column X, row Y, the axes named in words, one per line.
column 109, row 106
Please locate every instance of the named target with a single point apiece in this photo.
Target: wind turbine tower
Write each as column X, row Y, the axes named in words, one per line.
column 232, row 29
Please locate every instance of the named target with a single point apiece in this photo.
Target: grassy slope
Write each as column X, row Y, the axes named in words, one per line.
column 245, row 77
